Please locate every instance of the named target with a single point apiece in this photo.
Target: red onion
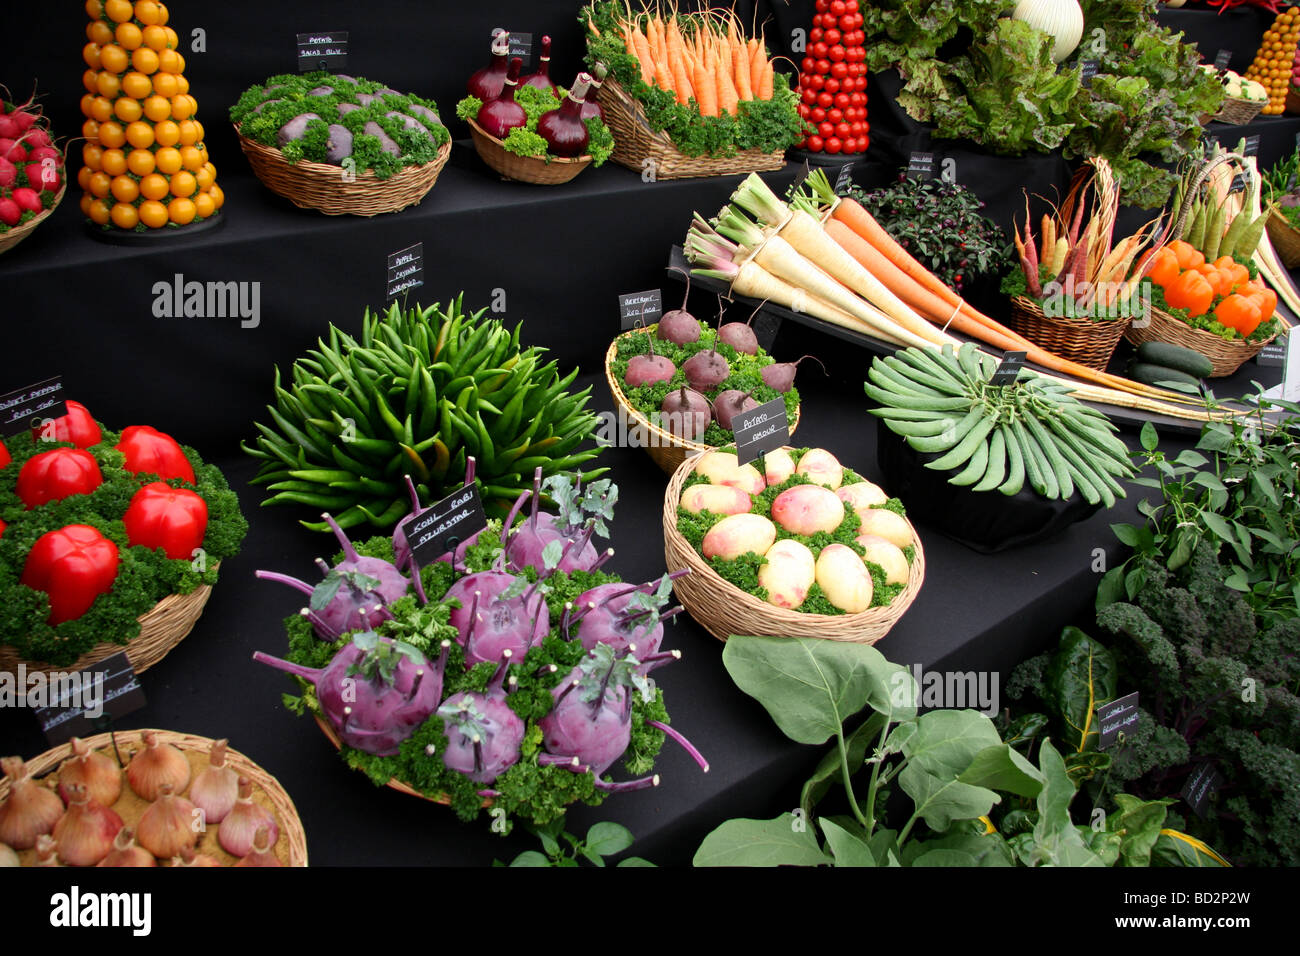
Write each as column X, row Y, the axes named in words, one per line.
column 590, row 107
column 486, row 83
column 542, row 78
column 562, row 128
column 499, row 116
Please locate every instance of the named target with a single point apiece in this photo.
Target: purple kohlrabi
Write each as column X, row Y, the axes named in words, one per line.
column 483, row 733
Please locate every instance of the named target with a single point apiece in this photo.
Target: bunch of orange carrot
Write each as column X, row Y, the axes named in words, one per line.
column 703, row 57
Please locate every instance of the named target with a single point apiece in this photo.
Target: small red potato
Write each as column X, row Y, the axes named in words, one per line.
column 888, row 555
column 822, row 467
column 739, row 534
column 789, row 573
column 807, row 509
column 717, row 499
column 844, row 579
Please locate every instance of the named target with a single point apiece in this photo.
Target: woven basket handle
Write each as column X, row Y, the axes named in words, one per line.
column 1190, row 198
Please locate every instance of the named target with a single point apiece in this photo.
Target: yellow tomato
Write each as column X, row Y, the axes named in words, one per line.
column 128, row 35
column 204, row 205
column 182, row 84
column 168, row 160
column 99, row 213
column 90, row 80
column 155, row 37
column 94, row 9
column 101, row 110
column 154, row 186
column 92, row 155
column 164, row 84
column 140, row 135
column 83, row 178
column 119, row 11
column 99, row 32
column 167, row 133
column 181, row 211
column 173, row 41
column 136, row 85
column 100, row 184
column 153, row 214
column 124, row 215
column 86, row 200
column 205, row 176
column 191, row 158
column 218, row 196
column 87, row 102
column 113, row 162
column 140, row 162
column 113, row 58
column 127, row 109
column 189, row 132
column 146, row 11
column 169, row 61
column 92, row 54
column 112, row 135
column 157, row 108
column 183, row 184
column 90, row 130
column 125, row 189
column 109, row 85
column 183, row 106
column 163, row 14
column 145, row 60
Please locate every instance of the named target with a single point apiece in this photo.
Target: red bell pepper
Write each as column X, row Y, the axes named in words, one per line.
column 77, row 426
column 5, row 457
column 73, row 565
column 174, row 519
column 2, row 527
column 55, row 474
column 150, row 451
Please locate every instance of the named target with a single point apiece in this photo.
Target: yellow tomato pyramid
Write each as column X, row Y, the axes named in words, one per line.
column 144, row 159
column 1275, row 58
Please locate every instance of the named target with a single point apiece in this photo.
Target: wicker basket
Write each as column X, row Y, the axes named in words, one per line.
column 18, row 233
column 1237, row 111
column 1225, row 356
column 1085, row 341
column 723, row 609
column 161, row 628
column 321, row 187
column 525, row 169
column 290, row 847
column 667, row 450
column 1285, row 238
column 635, row 143
column 1292, row 107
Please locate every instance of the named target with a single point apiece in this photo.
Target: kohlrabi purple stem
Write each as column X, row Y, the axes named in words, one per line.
column 686, row 744
column 471, row 464
column 537, row 495
column 498, row 678
column 510, row 518
column 609, row 553
column 297, row 670
column 349, row 552
column 644, row 783
column 279, row 578
column 417, row 580
column 321, row 625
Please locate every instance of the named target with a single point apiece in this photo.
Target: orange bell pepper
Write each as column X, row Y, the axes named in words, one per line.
column 1219, row 280
column 1188, row 256
column 1191, row 291
column 1239, row 313
column 1164, row 268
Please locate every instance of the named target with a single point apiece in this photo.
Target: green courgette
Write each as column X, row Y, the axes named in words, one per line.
column 1176, row 357
column 1149, row 374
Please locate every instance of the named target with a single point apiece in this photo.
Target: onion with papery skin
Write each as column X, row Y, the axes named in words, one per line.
column 187, row 857
column 216, row 787
column 86, row 832
column 486, row 83
column 30, row 810
column 563, row 129
column 260, row 854
column 168, row 825
column 1060, row 19
column 126, row 852
column 241, row 825
column 47, row 851
column 99, row 773
column 156, row 765
column 497, row 117
column 7, row 856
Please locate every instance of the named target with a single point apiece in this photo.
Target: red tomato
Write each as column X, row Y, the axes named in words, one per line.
column 816, row 34
column 823, row 66
column 836, row 53
column 826, row 129
column 816, row 82
column 818, row 114
column 842, row 100
column 825, row 100
column 832, row 36
column 820, row 50
column 823, row 5
column 850, row 145
column 835, row 115
column 809, row 96
column 833, row 145
column 840, row 70
column 832, row 85
column 850, row 6
column 816, row 144
column 843, row 129
column 808, row 65
column 804, row 111
column 838, row 8
column 858, row 99
column 856, row 127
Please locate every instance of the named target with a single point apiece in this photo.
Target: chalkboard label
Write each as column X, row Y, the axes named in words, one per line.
column 637, row 309
column 81, row 703
column 920, row 166
column 405, row 271
column 845, row 179
column 807, row 171
column 20, row 411
column 1273, row 355
column 1251, row 147
column 448, row 524
column 521, row 44
column 322, row 51
column 1222, row 59
column 761, row 430
column 1008, row 369
column 1117, row 717
column 1238, row 184
column 1087, row 70
column 1201, row 787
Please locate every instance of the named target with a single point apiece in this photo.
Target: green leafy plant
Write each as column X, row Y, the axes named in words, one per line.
column 418, row 392
column 603, row 839
column 940, row 224
column 952, row 765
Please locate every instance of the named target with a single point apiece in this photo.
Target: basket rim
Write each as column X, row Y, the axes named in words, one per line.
column 547, row 160
column 1035, row 309
column 1237, row 345
column 365, row 178
column 665, row 438
column 16, row 234
column 290, row 821
column 874, row 616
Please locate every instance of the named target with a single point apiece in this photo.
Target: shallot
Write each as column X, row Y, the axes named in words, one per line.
column 98, row 771
column 85, row 833
column 169, row 824
column 126, row 852
column 30, row 810
column 157, row 765
column 216, row 787
column 241, row 825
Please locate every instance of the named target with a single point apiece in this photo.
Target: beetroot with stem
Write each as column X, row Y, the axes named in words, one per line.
column 685, row 413
column 731, row 403
column 780, row 375
column 483, row 732
column 650, row 368
column 707, row 370
column 499, row 116
column 740, row 335
column 375, row 692
column 679, row 326
column 486, row 83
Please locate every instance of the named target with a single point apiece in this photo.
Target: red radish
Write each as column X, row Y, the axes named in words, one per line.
column 499, row 116
column 44, row 177
column 542, row 78
column 780, row 375
column 42, row 153
column 10, row 212
column 28, row 199
column 8, row 128
column 590, row 107
column 562, row 128
column 37, row 138
column 24, row 120
column 487, row 83
column 13, row 150
column 8, row 173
